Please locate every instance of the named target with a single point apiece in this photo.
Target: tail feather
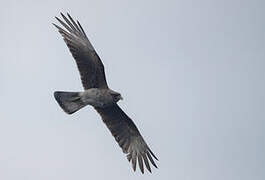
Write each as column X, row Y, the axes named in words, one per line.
column 70, row 102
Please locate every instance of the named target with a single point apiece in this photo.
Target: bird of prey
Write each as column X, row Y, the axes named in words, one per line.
column 97, row 94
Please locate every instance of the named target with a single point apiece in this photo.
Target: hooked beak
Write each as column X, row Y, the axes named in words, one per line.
column 121, row 98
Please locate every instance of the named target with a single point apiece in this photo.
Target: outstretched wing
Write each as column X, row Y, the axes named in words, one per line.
column 90, row 67
column 128, row 136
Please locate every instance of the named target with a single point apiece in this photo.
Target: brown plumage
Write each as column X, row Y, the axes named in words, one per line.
column 92, row 74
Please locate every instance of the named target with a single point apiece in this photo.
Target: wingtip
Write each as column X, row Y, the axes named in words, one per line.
column 142, row 170
column 150, row 170
column 63, row 15
column 156, row 158
column 56, row 26
column 58, row 19
column 152, row 154
column 134, row 166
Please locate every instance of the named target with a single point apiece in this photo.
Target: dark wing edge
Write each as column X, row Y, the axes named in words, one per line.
column 90, row 66
column 128, row 137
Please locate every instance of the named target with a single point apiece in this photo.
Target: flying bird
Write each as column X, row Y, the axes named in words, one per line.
column 97, row 94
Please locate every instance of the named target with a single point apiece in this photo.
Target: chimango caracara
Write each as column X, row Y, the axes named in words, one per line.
column 97, row 94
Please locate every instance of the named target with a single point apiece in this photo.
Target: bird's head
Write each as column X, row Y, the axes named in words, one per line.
column 116, row 96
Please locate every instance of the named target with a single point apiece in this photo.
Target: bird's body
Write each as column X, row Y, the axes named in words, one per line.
column 97, row 94
column 100, row 97
column 96, row 97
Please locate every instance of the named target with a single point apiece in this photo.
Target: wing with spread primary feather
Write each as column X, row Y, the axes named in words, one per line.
column 90, row 67
column 128, row 137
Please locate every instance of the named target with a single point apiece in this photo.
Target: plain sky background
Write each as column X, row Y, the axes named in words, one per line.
column 191, row 73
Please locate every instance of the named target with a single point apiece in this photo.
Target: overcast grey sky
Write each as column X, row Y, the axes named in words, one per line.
column 191, row 73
